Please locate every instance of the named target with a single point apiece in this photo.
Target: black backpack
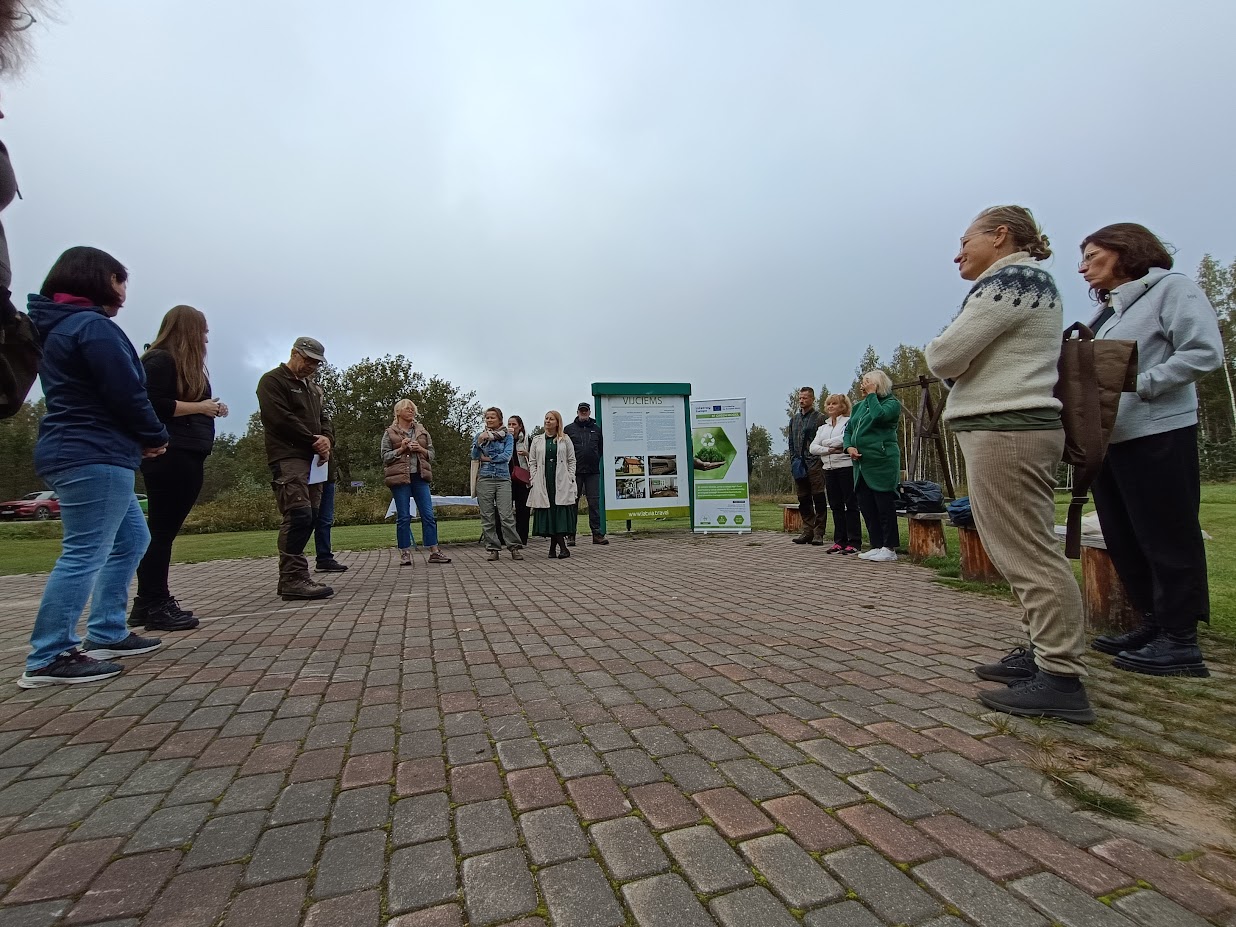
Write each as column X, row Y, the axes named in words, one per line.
column 20, row 353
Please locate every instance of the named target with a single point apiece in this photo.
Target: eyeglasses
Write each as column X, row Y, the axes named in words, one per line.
column 976, row 234
column 1087, row 258
column 21, row 18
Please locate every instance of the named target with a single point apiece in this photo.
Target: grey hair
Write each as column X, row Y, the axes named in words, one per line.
column 884, row 385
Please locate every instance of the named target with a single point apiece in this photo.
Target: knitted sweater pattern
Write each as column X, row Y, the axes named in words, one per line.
column 1001, row 350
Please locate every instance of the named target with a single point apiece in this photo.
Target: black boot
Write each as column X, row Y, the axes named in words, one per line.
column 1136, row 639
column 1045, row 696
column 553, row 547
column 1171, row 653
column 168, row 616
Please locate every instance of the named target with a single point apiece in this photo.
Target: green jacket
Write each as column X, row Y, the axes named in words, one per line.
column 873, row 430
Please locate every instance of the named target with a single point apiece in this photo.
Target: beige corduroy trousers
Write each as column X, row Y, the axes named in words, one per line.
column 1012, row 479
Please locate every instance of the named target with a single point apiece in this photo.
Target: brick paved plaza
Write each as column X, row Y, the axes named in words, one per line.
column 667, row 732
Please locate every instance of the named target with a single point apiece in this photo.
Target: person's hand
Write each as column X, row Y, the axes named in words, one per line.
column 853, row 452
column 211, row 407
column 223, row 410
column 321, row 445
column 483, row 437
column 149, row 452
column 484, row 458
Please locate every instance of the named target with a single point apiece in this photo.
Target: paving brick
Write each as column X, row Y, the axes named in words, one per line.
column 813, row 828
column 792, row 874
column 751, row 906
column 169, row 827
column 416, row 777
column 733, row 814
column 19, row 852
column 628, row 849
column 360, row 909
column 251, row 793
column 39, row 914
column 598, row 798
column 715, row 745
column 882, row 887
column 633, row 767
column 369, row 769
column 553, row 835
column 284, row 853
column 534, row 788
column 1171, row 878
column 225, row 839
column 970, row 747
column 1051, row 816
column 823, row 786
column 895, row 795
column 421, row 876
column 318, row 764
column 664, row 806
column 21, row 798
column 707, row 860
column 421, row 818
column 692, row 773
column 64, row 808
column 125, row 888
column 65, row 871
column 522, row 753
column 303, row 801
column 477, row 782
column 350, row 864
column 981, row 850
column 497, row 887
column 842, row 761
column 845, row 914
column 275, row 905
column 660, row 740
column 1081, row 868
column 1065, row 904
column 977, row 778
column 755, row 780
column 979, row 811
column 890, row 835
column 484, row 826
column 578, row 895
column 976, row 896
column 575, row 760
column 361, row 809
column 608, row 737
column 772, row 750
column 1150, row 909
column 195, row 899
column 665, row 901
column 447, row 915
column 201, row 785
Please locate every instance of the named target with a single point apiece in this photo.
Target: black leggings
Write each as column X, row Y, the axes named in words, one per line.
column 844, row 503
column 173, row 482
column 879, row 510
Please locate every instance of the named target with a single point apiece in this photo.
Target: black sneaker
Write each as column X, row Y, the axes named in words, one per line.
column 141, row 609
column 1013, row 667
column 1038, row 698
column 1172, row 653
column 330, row 566
column 570, row 540
column 131, row 646
column 70, row 668
column 1115, row 644
column 167, row 616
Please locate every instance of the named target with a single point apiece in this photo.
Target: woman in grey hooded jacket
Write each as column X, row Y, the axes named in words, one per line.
column 1149, row 490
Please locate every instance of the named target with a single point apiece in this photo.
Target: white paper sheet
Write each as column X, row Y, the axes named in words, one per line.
column 318, row 470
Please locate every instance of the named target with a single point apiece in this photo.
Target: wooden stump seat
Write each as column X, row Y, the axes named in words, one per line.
column 976, row 566
column 1105, row 604
column 791, row 518
column 927, row 535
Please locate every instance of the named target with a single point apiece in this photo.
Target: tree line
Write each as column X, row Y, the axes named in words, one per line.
column 769, row 460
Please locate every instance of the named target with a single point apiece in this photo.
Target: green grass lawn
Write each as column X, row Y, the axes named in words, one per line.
column 33, row 548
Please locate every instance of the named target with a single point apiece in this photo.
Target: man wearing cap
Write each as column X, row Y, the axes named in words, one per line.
column 297, row 429
column 585, row 435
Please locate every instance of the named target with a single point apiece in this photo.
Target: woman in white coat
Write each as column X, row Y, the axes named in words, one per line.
column 838, row 475
column 553, row 498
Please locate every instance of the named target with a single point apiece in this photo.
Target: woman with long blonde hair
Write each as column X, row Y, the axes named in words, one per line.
column 554, row 495
column 407, row 459
column 178, row 384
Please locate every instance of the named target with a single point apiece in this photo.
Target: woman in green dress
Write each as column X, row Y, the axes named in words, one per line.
column 553, row 496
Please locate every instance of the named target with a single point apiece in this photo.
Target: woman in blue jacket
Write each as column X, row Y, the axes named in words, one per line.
column 99, row 427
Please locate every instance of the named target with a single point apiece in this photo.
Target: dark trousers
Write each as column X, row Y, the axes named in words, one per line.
column 813, row 499
column 844, row 503
column 298, row 503
column 1147, row 496
column 589, row 486
column 523, row 514
column 879, row 510
column 321, row 527
column 173, row 482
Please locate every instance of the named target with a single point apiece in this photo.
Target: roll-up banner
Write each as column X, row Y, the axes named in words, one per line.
column 719, row 464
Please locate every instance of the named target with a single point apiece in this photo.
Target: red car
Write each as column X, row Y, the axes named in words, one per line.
column 40, row 505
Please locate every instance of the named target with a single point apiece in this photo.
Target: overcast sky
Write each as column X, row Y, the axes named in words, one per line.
column 528, row 197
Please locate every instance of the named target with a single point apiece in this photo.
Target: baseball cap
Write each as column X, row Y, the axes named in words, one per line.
column 583, row 407
column 310, row 347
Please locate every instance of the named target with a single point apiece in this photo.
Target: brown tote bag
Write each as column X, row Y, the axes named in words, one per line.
column 1092, row 375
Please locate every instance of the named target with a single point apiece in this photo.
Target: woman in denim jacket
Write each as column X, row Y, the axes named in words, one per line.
column 493, row 447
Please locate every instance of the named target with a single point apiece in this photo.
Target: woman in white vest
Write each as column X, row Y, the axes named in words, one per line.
column 553, row 497
column 828, row 445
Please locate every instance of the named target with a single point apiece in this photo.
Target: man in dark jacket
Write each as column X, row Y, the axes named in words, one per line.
column 585, row 435
column 807, row 470
column 297, row 430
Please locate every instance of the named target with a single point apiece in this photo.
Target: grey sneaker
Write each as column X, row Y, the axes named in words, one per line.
column 1038, row 698
column 1013, row 667
column 131, row 646
column 70, row 668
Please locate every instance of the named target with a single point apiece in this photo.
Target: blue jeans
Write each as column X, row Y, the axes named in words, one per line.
column 105, row 537
column 419, row 490
column 321, row 528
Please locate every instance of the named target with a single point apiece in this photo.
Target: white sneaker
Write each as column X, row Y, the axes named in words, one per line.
column 884, row 555
column 868, row 554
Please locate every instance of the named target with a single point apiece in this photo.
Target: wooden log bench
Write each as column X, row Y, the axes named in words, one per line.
column 791, row 518
column 1105, row 604
column 926, row 535
column 976, row 566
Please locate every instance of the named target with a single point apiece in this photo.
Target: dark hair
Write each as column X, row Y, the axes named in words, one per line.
column 496, row 409
column 1137, row 250
column 15, row 19
column 807, row 389
column 522, row 429
column 85, row 272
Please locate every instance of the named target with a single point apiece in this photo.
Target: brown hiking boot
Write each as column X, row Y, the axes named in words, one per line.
column 808, row 531
column 297, row 589
column 817, row 536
